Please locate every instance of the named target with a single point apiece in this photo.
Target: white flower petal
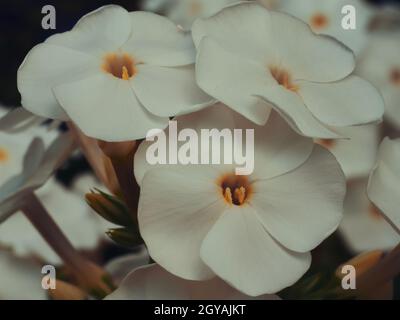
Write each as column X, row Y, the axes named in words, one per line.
column 100, row 31
column 383, row 187
column 45, row 67
column 240, row 251
column 233, row 80
column 56, row 154
column 120, row 267
column 331, row 11
column 153, row 282
column 18, row 120
column 184, row 13
column 279, row 149
column 155, row 40
column 352, row 101
column 215, row 117
column 303, row 207
column 292, row 108
column 357, row 152
column 308, row 56
column 173, row 90
column 362, row 227
column 376, row 64
column 106, row 108
column 175, row 215
column 242, row 29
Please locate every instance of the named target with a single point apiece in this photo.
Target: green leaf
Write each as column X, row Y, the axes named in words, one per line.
column 127, row 237
column 110, row 208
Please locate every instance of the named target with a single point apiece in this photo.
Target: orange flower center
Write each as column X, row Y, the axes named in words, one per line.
column 327, row 143
column 121, row 66
column 4, row 156
column 319, row 21
column 195, row 9
column 235, row 189
column 395, row 76
column 284, row 78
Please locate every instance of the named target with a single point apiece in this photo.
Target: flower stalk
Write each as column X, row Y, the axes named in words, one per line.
column 382, row 273
column 88, row 275
column 100, row 164
column 121, row 155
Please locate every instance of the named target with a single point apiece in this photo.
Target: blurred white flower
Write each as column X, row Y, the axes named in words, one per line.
column 380, row 64
column 18, row 120
column 255, row 232
column 325, row 17
column 269, row 4
column 156, row 5
column 14, row 145
column 20, row 279
column 384, row 182
column 363, row 226
column 185, row 12
column 154, row 283
column 357, row 152
column 71, row 213
column 38, row 166
column 120, row 267
column 115, row 74
column 254, row 60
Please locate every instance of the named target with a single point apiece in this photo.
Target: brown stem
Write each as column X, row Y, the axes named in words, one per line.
column 121, row 155
column 99, row 162
column 87, row 274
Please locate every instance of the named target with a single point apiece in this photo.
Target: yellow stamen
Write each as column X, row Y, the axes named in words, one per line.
column 125, row 73
column 228, row 195
column 120, row 65
column 236, row 190
column 283, row 78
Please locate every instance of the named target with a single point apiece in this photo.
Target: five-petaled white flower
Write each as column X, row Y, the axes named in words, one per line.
column 254, row 60
column 384, row 182
column 326, row 17
column 380, row 64
column 115, row 74
column 363, row 226
column 255, row 232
